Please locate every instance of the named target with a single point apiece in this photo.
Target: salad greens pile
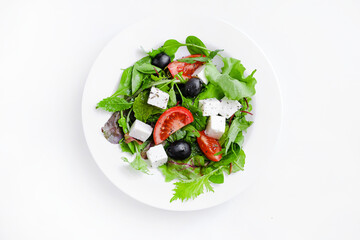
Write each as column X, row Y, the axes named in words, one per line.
column 197, row 173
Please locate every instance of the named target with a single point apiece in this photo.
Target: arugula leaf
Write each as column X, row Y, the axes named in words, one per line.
column 172, row 97
column 196, row 41
column 125, row 83
column 142, row 110
column 233, row 89
column 114, row 104
column 190, row 189
column 200, row 59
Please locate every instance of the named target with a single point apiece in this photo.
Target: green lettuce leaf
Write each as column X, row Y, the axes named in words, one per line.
column 142, row 110
column 233, row 88
column 124, row 87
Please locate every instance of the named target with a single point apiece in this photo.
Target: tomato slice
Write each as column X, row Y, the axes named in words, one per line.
column 209, row 146
column 186, row 68
column 170, row 121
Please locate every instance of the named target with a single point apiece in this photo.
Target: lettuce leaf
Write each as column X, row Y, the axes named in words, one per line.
column 231, row 81
column 142, row 110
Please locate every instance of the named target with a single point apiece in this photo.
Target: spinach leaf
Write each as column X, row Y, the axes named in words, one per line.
column 148, row 68
column 170, row 47
column 211, row 91
column 196, row 41
column 139, row 71
column 218, row 178
column 114, row 104
column 136, row 80
column 125, row 83
column 142, row 110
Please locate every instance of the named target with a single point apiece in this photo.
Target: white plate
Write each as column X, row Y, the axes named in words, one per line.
column 123, row 51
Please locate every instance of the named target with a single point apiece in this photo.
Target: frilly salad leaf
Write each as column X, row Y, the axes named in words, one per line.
column 232, row 81
column 138, row 164
column 190, row 189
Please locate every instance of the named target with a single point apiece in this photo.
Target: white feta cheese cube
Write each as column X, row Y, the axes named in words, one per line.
column 140, row 130
column 157, row 155
column 209, row 106
column 158, row 98
column 215, row 127
column 228, row 107
column 200, row 73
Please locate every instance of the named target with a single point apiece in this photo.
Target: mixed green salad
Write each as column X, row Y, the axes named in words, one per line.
column 183, row 116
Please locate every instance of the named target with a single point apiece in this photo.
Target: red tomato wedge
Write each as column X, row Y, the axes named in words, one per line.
column 170, row 121
column 186, row 68
column 209, row 146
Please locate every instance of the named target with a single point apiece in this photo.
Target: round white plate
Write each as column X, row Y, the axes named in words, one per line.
column 123, row 51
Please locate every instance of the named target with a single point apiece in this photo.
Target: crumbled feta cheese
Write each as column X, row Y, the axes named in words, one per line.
column 228, row 107
column 209, row 106
column 200, row 73
column 215, row 127
column 140, row 130
column 158, row 98
column 157, row 155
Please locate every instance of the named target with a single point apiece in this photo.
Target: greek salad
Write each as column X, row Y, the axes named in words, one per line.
column 182, row 116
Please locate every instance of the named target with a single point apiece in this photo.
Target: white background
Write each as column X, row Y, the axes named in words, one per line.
column 50, row 187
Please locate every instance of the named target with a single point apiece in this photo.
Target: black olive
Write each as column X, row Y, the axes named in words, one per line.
column 192, row 87
column 179, row 150
column 161, row 60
